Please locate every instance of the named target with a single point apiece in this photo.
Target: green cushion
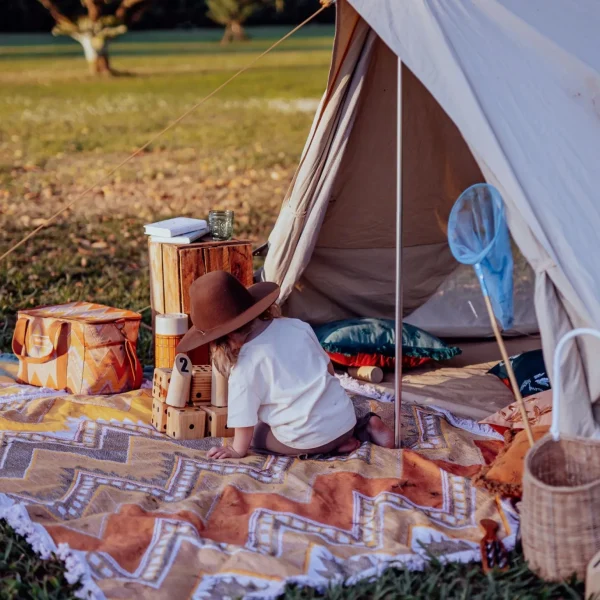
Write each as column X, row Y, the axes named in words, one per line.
column 378, row 336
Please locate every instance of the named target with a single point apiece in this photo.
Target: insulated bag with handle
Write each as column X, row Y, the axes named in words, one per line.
column 80, row 347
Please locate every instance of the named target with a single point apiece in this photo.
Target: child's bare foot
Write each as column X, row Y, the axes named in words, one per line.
column 380, row 433
column 349, row 446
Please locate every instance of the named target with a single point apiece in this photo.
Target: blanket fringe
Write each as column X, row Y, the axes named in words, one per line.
column 76, row 567
column 364, row 389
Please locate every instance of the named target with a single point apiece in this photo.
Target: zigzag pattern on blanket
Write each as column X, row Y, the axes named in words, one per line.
column 154, row 514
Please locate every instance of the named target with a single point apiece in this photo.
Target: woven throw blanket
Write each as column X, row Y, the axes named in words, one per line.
column 136, row 514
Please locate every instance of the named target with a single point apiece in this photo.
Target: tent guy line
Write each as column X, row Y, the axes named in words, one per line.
column 324, row 5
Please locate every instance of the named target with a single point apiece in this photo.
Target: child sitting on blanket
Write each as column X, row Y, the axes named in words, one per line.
column 283, row 395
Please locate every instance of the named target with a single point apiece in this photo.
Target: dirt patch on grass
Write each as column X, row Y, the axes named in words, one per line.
column 153, row 186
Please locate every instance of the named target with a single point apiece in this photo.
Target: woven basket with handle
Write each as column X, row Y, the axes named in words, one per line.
column 560, row 512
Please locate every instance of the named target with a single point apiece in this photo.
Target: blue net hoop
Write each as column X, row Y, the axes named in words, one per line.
column 478, row 236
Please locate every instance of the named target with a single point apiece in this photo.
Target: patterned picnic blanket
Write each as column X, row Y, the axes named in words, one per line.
column 145, row 516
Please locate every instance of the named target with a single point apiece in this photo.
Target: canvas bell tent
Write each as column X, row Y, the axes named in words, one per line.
column 424, row 99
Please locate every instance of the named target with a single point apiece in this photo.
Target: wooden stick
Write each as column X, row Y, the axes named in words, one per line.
column 370, row 374
column 509, row 370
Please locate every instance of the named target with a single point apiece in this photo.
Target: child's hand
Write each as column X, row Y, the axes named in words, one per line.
column 217, row 452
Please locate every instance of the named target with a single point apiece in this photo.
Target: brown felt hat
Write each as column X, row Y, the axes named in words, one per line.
column 221, row 304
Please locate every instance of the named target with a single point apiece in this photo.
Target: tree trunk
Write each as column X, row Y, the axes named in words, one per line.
column 102, row 65
column 96, row 54
column 234, row 32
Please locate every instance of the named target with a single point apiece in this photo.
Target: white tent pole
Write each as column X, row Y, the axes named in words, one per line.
column 398, row 377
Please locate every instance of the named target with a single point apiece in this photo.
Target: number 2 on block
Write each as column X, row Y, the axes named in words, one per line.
column 183, row 362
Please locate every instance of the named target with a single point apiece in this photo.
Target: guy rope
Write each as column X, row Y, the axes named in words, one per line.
column 324, row 5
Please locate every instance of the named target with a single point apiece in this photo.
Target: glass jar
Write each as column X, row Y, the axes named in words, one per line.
column 220, row 223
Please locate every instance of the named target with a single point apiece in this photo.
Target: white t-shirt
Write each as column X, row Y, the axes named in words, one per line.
column 281, row 379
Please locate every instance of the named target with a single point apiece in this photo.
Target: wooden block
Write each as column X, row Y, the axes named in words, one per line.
column 216, row 424
column 220, row 388
column 181, row 380
column 186, row 423
column 159, row 415
column 160, row 383
column 201, row 384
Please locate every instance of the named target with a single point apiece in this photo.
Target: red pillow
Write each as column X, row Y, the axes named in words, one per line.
column 376, row 360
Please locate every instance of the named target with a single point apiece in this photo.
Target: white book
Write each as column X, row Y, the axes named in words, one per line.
column 188, row 238
column 174, row 227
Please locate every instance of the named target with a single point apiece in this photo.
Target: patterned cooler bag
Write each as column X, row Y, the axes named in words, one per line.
column 81, row 347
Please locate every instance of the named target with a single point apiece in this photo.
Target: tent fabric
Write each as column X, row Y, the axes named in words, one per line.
column 321, row 267
column 520, row 81
column 355, row 206
column 295, row 232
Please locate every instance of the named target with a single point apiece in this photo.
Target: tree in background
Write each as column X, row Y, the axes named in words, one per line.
column 234, row 13
column 102, row 21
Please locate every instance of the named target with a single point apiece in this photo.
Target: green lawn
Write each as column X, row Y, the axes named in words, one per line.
column 61, row 129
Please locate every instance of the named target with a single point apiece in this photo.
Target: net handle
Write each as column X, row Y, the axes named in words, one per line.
column 479, row 273
column 558, row 354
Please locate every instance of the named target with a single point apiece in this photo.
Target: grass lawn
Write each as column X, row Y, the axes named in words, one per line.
column 60, row 129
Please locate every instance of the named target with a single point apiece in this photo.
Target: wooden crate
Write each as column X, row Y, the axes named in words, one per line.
column 174, row 268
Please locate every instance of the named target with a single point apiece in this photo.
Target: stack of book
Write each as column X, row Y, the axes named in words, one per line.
column 180, row 230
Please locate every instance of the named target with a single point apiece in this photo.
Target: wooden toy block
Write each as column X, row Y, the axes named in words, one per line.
column 159, row 415
column 219, row 389
column 216, row 424
column 181, row 381
column 160, row 383
column 186, row 423
column 201, row 384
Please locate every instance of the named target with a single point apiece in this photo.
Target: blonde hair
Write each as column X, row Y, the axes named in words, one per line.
column 224, row 357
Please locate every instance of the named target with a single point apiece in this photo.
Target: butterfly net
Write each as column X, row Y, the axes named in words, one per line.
column 478, row 236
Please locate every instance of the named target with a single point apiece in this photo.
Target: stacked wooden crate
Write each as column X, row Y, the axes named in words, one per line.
column 173, row 269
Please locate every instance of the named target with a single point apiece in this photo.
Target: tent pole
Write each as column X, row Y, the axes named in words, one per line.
column 398, row 315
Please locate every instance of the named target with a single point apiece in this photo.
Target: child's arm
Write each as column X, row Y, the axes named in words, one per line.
column 330, row 368
column 241, row 443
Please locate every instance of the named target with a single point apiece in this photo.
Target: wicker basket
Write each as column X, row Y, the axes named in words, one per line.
column 560, row 512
